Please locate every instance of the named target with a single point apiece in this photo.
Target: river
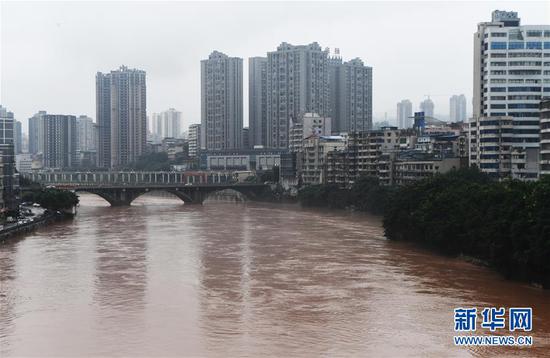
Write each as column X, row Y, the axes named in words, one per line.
column 229, row 279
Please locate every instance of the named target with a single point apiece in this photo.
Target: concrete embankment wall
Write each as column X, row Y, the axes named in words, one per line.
column 7, row 233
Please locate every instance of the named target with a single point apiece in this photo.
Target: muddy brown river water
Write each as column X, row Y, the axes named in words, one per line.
column 163, row 279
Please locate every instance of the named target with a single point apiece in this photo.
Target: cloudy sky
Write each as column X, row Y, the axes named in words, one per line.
column 50, row 51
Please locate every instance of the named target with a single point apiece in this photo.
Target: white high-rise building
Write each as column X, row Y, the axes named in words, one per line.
column 166, row 124
column 457, row 108
column 171, row 123
column 194, row 138
column 427, row 106
column 221, row 102
column 155, row 126
column 404, row 114
column 511, row 75
column 297, row 83
column 87, row 134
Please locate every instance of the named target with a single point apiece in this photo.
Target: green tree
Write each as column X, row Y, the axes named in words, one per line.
column 55, row 199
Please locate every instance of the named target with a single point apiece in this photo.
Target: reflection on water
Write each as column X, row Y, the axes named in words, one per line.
column 224, row 279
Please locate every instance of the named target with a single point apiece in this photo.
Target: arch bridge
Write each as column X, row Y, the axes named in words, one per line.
column 121, row 188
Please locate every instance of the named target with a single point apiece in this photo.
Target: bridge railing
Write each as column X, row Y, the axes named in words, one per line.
column 129, row 178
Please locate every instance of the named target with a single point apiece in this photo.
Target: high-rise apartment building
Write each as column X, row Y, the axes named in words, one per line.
column 172, row 123
column 9, row 180
column 36, row 133
column 221, row 102
column 60, row 141
column 245, row 137
column 121, row 116
column 7, row 123
column 457, row 108
column 166, row 124
column 404, row 114
column 297, row 83
column 18, row 137
column 350, row 86
column 545, row 137
column 257, row 100
column 103, row 118
column 194, row 139
column 511, row 74
column 427, row 106
column 155, row 127
column 87, row 134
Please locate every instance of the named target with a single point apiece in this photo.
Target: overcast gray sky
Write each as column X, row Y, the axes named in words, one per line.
column 50, row 51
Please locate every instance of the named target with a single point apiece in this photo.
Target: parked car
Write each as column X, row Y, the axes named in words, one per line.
column 36, row 205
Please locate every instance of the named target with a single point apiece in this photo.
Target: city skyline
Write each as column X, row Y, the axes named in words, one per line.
column 174, row 80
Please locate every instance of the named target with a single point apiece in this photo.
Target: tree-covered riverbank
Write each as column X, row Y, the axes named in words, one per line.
column 52, row 199
column 506, row 224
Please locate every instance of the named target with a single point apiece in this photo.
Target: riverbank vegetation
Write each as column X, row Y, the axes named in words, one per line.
column 464, row 212
column 365, row 195
column 52, row 199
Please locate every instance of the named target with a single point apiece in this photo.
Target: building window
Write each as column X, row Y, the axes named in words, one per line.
column 525, row 63
column 534, row 45
column 523, row 105
column 497, row 45
column 524, row 89
column 534, row 33
column 516, row 45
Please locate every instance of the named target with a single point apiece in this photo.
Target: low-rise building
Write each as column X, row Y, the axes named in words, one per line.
column 411, row 166
column 395, row 156
column 23, row 163
column 309, row 124
column 313, row 168
column 175, row 147
column 491, row 148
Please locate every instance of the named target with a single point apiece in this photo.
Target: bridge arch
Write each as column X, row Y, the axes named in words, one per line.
column 103, row 195
column 240, row 194
column 187, row 199
column 125, row 196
